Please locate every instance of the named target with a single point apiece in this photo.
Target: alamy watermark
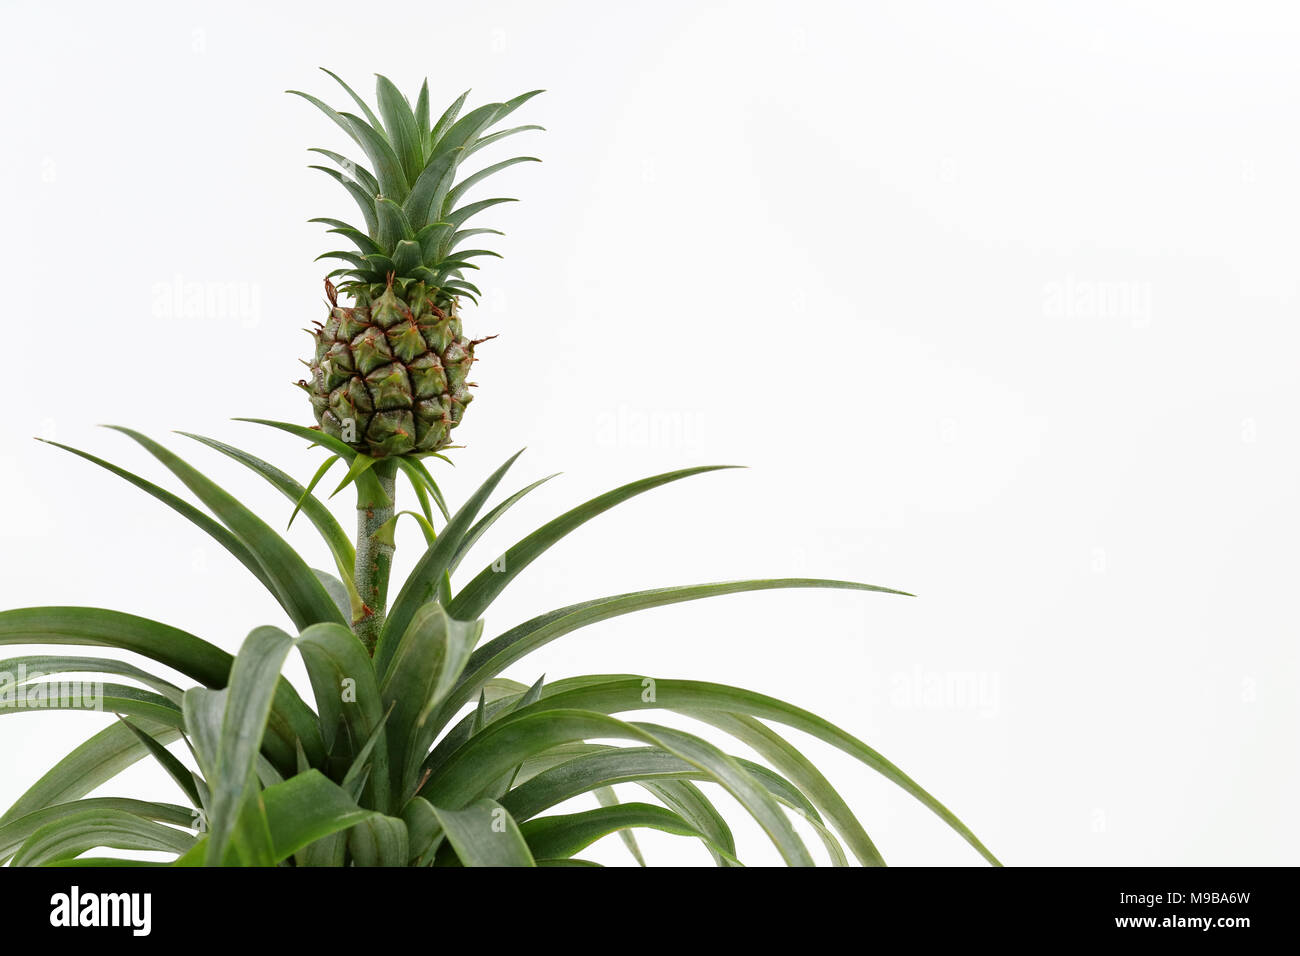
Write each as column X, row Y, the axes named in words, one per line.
column 18, row 691
column 188, row 299
column 133, row 911
column 976, row 691
column 1075, row 298
column 627, row 426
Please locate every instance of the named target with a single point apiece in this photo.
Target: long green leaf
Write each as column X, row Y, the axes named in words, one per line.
column 362, row 104
column 425, row 201
column 331, row 531
column 307, row 601
column 330, row 112
column 498, row 136
column 181, row 774
column 447, row 118
column 21, row 670
column 489, row 519
column 668, row 777
column 89, row 696
column 363, row 177
column 419, row 475
column 217, row 531
column 469, row 182
column 170, row 646
column 345, row 596
column 471, row 602
column 89, row 765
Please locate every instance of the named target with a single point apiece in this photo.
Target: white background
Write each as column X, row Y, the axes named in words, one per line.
column 998, row 301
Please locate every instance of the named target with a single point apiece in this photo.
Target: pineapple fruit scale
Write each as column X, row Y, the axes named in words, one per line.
column 389, row 372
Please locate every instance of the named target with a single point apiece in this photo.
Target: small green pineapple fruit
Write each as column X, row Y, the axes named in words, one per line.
column 388, row 375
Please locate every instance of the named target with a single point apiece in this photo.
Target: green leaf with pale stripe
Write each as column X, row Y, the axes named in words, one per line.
column 338, row 666
column 72, row 835
column 379, row 841
column 423, row 670
column 447, row 119
column 386, row 165
column 307, row 808
column 399, row 122
column 169, row 646
column 606, row 797
column 484, row 834
column 690, row 803
column 232, row 755
column 563, row 835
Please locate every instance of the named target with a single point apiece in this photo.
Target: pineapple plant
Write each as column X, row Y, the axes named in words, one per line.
column 413, row 747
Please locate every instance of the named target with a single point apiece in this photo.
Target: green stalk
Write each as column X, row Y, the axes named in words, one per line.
column 376, row 499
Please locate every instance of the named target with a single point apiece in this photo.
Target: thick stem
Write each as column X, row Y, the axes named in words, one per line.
column 376, row 497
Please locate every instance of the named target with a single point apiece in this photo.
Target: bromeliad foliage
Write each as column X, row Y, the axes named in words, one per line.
column 418, row 751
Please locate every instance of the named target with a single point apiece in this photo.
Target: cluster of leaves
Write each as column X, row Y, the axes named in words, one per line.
column 422, row 753
column 410, row 197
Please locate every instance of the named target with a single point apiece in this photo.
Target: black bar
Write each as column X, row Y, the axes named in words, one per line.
column 1173, row 906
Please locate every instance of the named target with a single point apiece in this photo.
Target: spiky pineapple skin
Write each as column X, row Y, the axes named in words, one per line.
column 389, row 371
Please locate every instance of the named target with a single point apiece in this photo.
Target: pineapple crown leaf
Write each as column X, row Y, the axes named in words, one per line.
column 410, row 194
